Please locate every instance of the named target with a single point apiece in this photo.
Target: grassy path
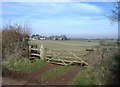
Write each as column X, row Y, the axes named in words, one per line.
column 63, row 78
column 55, row 71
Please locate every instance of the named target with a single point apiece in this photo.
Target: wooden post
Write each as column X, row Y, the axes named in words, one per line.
column 42, row 52
column 30, row 50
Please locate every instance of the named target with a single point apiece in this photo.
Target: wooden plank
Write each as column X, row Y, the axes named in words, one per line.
column 57, row 55
column 59, row 60
column 70, row 63
column 59, row 63
column 63, row 63
column 33, row 54
column 78, row 58
column 66, row 57
column 52, row 52
column 35, row 49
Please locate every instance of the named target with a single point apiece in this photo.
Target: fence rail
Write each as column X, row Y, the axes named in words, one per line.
column 64, row 57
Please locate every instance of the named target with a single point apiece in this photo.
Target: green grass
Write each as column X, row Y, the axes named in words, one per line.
column 55, row 71
column 65, row 45
column 83, row 78
column 24, row 65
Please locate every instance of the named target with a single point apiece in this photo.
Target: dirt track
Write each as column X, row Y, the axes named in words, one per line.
column 34, row 76
column 14, row 78
column 64, row 78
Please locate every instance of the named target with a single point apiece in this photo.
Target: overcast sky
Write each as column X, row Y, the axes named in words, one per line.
column 75, row 19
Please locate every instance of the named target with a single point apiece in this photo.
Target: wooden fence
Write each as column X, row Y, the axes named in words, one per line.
column 35, row 52
column 64, row 57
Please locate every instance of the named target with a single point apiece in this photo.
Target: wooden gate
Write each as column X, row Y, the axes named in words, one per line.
column 64, row 57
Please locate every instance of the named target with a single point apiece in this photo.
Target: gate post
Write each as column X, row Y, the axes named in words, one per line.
column 42, row 52
column 30, row 50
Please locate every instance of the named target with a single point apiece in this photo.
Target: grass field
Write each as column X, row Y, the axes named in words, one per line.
column 77, row 47
column 66, row 45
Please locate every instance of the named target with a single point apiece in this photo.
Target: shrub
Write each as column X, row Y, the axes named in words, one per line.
column 107, row 43
column 14, row 41
column 23, row 65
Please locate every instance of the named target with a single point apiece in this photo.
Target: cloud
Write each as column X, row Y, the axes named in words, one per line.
column 50, row 9
column 84, row 8
column 89, row 7
column 59, row 0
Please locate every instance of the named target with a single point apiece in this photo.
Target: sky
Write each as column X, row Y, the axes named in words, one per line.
column 74, row 19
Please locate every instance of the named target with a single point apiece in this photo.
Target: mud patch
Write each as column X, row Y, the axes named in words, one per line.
column 12, row 74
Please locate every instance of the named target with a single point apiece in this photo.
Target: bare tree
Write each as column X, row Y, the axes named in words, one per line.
column 115, row 15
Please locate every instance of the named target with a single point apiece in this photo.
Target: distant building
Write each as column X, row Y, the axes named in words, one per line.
column 39, row 37
column 55, row 38
column 42, row 38
column 61, row 38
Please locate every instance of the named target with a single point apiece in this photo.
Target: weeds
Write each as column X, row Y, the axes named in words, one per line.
column 24, row 65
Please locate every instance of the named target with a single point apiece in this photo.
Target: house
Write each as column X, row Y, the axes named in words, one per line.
column 42, row 38
column 55, row 38
column 61, row 38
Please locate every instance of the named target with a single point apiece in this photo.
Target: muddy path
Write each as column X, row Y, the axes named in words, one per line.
column 34, row 76
column 64, row 78
column 12, row 74
column 14, row 77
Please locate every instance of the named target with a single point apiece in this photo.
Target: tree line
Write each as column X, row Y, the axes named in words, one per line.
column 52, row 37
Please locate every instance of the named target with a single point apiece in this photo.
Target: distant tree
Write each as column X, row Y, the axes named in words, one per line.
column 40, row 36
column 64, row 37
column 37, row 35
column 89, row 40
column 33, row 36
column 52, row 37
column 115, row 15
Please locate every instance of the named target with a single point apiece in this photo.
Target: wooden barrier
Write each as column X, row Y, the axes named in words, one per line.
column 72, row 60
column 37, row 52
column 56, row 57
